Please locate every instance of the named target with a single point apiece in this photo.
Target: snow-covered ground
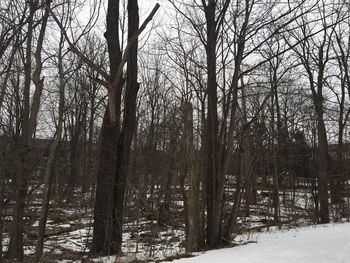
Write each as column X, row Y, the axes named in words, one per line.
column 70, row 233
column 328, row 243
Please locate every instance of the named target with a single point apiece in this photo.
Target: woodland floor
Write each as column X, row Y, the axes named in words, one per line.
column 296, row 239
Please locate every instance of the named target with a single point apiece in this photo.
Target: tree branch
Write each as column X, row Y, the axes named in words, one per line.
column 131, row 41
column 76, row 51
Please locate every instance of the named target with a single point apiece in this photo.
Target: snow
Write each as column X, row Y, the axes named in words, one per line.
column 74, row 240
column 328, row 243
column 110, row 259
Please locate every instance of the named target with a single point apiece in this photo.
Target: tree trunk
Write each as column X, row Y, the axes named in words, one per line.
column 194, row 238
column 104, row 233
column 213, row 206
column 336, row 182
column 322, row 168
column 103, row 229
column 49, row 171
column 15, row 249
column 129, row 125
column 113, row 168
column 2, row 206
column 231, row 223
column 275, row 148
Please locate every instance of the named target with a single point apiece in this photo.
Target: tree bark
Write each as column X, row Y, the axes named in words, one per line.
column 213, row 206
column 103, row 230
column 104, row 233
column 195, row 240
column 129, row 125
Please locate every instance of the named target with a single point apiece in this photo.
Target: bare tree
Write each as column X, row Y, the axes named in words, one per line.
column 314, row 54
column 117, row 131
column 30, row 113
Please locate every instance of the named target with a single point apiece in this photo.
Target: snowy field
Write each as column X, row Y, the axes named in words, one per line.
column 328, row 243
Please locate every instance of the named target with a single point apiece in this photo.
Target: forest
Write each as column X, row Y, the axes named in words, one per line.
column 152, row 130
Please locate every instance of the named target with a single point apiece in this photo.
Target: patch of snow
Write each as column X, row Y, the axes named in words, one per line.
column 328, row 243
column 109, row 259
column 48, row 223
column 65, row 226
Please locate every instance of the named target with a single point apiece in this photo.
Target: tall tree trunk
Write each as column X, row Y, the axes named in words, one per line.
column 104, row 232
column 322, row 138
column 322, row 167
column 194, row 238
column 275, row 148
column 213, row 207
column 129, row 125
column 49, row 171
column 15, row 249
column 111, row 179
column 112, row 175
